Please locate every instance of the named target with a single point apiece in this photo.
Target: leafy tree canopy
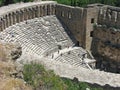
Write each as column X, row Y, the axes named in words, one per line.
column 69, row 2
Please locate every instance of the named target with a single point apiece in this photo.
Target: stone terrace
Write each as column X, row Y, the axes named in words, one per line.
column 45, row 36
column 41, row 35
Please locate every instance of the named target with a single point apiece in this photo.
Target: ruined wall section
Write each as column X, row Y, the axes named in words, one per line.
column 79, row 21
column 108, row 32
column 106, row 38
column 106, row 46
column 24, row 13
column 74, row 19
column 110, row 16
column 91, row 20
column 108, row 41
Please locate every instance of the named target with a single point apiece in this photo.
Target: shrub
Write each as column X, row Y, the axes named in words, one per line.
column 41, row 79
column 38, row 77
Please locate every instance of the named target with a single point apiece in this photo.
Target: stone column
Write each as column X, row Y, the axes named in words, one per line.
column 118, row 19
column 30, row 13
column 11, row 18
column 21, row 15
column 24, row 14
column 33, row 12
column 104, row 16
column 38, row 11
column 107, row 20
column 114, row 18
column 1, row 29
column 53, row 9
column 17, row 16
column 48, row 9
column 4, row 19
column 14, row 17
column 3, row 23
column 45, row 10
column 101, row 15
column 41, row 11
column 7, row 20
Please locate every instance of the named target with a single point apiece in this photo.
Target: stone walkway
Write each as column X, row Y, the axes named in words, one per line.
column 70, row 71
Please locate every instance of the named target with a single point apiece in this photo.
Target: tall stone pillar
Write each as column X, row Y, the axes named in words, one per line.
column 14, row 17
column 30, row 13
column 108, row 17
column 53, row 9
column 24, row 14
column 100, row 15
column 1, row 29
column 17, row 16
column 114, row 18
column 21, row 15
column 4, row 20
column 33, row 12
column 11, row 18
column 118, row 19
column 48, row 9
column 91, row 19
column 45, row 10
column 41, row 10
column 7, row 20
column 38, row 11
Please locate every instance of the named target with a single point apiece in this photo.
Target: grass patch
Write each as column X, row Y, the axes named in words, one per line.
column 76, row 85
column 40, row 78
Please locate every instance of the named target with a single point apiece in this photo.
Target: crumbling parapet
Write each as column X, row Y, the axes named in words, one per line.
column 24, row 13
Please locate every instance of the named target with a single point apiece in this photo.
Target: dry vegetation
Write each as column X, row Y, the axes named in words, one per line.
column 7, row 67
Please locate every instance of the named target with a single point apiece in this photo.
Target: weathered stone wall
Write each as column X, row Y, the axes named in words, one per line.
column 91, row 19
column 74, row 19
column 110, row 16
column 79, row 21
column 106, row 47
column 24, row 13
column 106, row 38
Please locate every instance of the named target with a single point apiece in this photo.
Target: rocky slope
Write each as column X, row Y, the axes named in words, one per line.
column 10, row 76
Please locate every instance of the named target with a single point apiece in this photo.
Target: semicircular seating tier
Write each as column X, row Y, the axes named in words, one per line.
column 38, row 30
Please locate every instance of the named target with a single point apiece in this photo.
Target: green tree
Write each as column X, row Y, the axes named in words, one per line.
column 117, row 3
